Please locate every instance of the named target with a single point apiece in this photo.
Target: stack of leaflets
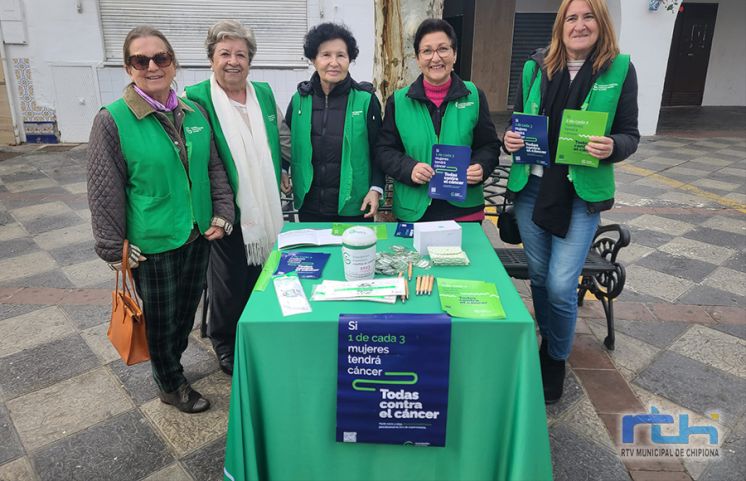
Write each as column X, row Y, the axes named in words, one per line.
column 376, row 290
column 470, row 299
column 307, row 237
column 308, row 265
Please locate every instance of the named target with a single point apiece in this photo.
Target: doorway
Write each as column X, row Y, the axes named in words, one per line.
column 690, row 54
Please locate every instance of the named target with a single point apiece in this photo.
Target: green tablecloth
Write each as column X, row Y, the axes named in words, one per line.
column 282, row 417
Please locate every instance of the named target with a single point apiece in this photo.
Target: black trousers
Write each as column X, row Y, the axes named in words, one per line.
column 229, row 284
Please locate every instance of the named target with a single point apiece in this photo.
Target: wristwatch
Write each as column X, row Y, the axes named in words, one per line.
column 224, row 224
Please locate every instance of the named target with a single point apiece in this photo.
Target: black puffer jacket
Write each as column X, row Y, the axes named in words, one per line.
column 327, row 132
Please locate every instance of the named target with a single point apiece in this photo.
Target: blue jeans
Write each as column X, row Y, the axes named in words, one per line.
column 554, row 265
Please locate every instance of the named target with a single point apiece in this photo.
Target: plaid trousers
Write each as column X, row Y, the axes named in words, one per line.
column 170, row 285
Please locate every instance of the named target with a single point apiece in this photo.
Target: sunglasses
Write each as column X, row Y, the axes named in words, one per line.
column 142, row 62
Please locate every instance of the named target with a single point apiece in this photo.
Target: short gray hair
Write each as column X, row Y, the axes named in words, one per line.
column 229, row 29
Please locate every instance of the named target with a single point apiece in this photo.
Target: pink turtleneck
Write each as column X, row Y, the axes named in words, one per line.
column 436, row 93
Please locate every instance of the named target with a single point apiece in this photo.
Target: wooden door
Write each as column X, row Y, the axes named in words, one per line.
column 690, row 54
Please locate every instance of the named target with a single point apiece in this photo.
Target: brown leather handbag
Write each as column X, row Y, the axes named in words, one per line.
column 127, row 326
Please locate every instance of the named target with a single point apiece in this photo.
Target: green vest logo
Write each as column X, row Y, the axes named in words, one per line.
column 193, row 130
column 355, row 113
column 463, row 105
column 604, row 87
column 271, row 118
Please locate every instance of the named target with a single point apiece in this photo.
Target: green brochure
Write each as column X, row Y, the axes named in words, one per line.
column 470, row 299
column 270, row 266
column 577, row 126
column 339, row 228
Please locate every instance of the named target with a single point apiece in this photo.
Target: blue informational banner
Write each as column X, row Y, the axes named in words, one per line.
column 450, row 163
column 392, row 385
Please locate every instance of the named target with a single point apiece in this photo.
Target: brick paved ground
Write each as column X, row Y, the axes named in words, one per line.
column 69, row 408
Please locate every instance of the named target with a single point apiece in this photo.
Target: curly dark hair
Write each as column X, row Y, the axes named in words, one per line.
column 324, row 32
column 432, row 25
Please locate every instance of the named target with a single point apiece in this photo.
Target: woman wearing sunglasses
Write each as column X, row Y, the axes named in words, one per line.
column 154, row 178
column 248, row 133
column 437, row 108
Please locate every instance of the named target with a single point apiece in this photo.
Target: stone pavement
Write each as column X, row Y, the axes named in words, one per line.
column 70, row 409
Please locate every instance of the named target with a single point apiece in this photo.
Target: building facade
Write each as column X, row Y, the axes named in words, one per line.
column 62, row 60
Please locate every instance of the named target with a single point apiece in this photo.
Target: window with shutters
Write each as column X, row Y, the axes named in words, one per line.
column 279, row 27
column 530, row 31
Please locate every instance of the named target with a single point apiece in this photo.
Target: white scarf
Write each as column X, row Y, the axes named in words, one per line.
column 257, row 195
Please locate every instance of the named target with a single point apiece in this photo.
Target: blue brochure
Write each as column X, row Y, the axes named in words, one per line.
column 308, row 265
column 450, row 163
column 404, row 229
column 392, row 383
column 533, row 129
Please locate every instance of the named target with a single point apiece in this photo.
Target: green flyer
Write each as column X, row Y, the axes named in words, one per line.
column 470, row 299
column 338, row 228
column 577, row 126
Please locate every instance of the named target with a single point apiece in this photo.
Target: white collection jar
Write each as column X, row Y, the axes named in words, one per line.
column 359, row 253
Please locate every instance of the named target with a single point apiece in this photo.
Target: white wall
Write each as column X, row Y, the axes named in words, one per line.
column 646, row 36
column 726, row 73
column 58, row 34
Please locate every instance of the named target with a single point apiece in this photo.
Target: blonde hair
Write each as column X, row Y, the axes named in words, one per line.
column 606, row 48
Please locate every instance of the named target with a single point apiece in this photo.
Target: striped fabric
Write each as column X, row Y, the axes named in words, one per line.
column 170, row 285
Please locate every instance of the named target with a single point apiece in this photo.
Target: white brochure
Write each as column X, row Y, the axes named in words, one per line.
column 375, row 289
column 291, row 296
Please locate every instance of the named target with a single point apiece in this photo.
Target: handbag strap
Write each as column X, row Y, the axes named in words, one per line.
column 127, row 279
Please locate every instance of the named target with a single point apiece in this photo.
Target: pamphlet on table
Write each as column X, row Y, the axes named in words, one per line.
column 290, row 295
column 450, row 163
column 392, row 384
column 273, row 260
column 533, row 129
column 383, row 289
column 575, row 131
column 308, row 265
column 307, row 237
column 470, row 299
column 339, row 228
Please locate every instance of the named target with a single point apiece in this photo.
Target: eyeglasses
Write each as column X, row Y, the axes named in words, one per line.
column 142, row 62
column 443, row 52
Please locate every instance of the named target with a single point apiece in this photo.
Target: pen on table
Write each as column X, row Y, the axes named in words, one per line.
column 403, row 299
column 418, row 290
column 430, row 285
column 409, row 271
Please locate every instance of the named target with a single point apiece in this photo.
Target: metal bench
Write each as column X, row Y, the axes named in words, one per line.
column 602, row 275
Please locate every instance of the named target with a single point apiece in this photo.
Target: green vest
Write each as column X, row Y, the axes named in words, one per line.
column 418, row 136
column 200, row 93
column 163, row 203
column 354, row 173
column 591, row 184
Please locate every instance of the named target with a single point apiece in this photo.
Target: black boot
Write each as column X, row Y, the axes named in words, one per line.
column 553, row 377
